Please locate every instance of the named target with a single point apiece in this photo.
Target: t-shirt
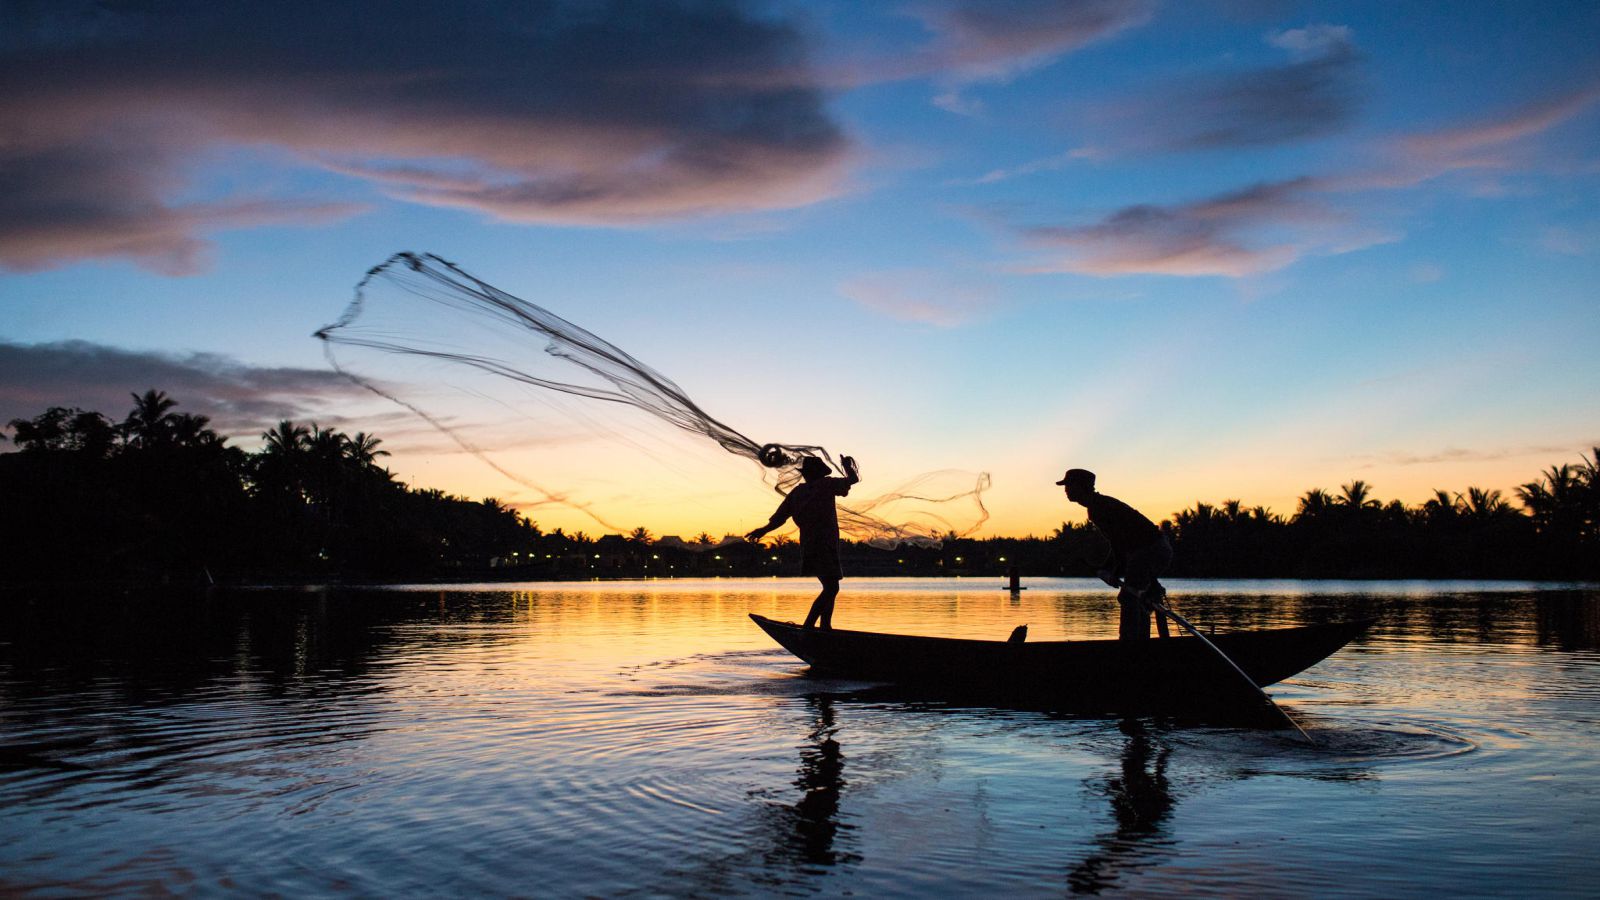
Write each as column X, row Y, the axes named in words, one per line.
column 1125, row 527
column 810, row 504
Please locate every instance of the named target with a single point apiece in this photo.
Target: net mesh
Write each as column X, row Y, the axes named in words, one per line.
column 422, row 307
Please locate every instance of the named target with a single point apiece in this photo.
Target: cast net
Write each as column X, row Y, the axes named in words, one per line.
column 426, row 309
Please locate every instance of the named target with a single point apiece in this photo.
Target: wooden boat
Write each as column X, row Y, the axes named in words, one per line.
column 1102, row 675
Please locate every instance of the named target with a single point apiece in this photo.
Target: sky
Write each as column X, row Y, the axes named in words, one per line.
column 1233, row 249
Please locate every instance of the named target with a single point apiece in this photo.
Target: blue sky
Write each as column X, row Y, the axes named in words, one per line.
column 1211, row 250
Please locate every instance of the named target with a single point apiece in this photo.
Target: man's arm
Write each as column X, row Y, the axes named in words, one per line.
column 841, row 486
column 778, row 517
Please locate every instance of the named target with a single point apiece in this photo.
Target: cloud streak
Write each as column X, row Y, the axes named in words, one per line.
column 241, row 399
column 1212, row 236
column 1460, row 454
column 993, row 40
column 1451, row 145
column 1270, row 225
column 930, row 298
column 550, row 112
column 984, row 41
column 1312, row 95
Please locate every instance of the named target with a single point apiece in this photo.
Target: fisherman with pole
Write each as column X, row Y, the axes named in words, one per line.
column 1139, row 553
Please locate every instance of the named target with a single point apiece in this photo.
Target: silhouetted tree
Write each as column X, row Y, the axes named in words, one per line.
column 163, row 495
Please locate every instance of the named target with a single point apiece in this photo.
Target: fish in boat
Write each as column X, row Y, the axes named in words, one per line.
column 1099, row 675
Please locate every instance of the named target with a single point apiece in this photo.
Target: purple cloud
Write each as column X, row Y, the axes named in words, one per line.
column 987, row 40
column 557, row 111
column 241, row 399
column 972, row 41
column 1214, row 236
column 1269, row 226
column 1312, row 95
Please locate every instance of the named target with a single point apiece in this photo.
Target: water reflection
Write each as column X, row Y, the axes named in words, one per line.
column 610, row 740
column 806, row 832
column 1568, row 622
column 1141, row 803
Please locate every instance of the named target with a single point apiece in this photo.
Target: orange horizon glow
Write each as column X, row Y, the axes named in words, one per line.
column 739, row 501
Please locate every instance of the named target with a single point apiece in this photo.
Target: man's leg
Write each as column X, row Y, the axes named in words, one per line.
column 822, row 607
column 1135, row 622
column 1153, row 595
column 1140, row 580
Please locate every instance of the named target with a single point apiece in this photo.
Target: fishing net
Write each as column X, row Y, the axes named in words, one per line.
column 424, row 308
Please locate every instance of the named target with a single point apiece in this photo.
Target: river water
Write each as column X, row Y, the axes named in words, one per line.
column 646, row 739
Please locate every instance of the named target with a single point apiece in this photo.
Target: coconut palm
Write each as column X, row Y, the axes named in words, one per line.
column 1233, row 511
column 151, row 420
column 189, row 430
column 363, row 449
column 1553, row 500
column 1484, row 505
column 1314, row 504
column 280, row 467
column 1358, row 495
column 286, row 439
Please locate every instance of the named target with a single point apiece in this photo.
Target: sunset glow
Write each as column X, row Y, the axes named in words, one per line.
column 1222, row 250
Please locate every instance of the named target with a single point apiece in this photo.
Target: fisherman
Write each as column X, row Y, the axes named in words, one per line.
column 810, row 504
column 1138, row 555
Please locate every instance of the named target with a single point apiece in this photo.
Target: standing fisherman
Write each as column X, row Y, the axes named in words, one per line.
column 810, row 504
column 1139, row 554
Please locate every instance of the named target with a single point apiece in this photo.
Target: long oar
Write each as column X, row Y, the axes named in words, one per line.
column 1163, row 609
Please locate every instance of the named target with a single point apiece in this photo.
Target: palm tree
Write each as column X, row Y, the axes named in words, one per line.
column 1552, row 499
column 280, row 466
column 1484, row 505
column 641, row 535
column 1233, row 511
column 1358, row 495
column 151, row 419
column 286, row 439
column 189, row 430
column 1314, row 504
column 363, row 449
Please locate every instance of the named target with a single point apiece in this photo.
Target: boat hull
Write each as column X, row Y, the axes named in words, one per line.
column 1161, row 673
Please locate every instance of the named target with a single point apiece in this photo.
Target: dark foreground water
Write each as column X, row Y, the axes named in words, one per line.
column 629, row 739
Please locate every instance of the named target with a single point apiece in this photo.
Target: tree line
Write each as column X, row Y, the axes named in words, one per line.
column 161, row 496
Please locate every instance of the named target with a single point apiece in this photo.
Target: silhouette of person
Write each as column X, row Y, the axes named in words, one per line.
column 810, row 504
column 1138, row 554
column 821, row 779
column 1141, row 803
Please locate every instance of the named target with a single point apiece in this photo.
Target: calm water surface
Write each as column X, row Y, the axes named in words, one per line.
column 626, row 739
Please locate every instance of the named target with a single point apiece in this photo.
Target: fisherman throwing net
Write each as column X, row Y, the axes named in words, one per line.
column 422, row 307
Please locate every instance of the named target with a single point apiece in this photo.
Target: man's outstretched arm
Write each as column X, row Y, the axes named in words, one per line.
column 778, row 517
